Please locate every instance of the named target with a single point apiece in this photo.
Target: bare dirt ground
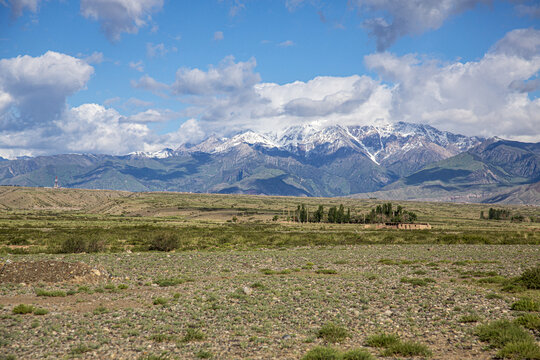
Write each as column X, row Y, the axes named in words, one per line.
column 264, row 304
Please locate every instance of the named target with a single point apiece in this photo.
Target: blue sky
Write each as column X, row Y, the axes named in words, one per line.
column 115, row 76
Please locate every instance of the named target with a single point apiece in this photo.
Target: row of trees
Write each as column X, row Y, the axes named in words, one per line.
column 382, row 213
column 504, row 214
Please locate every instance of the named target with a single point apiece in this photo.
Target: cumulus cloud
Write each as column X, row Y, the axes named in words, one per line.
column 157, row 50
column 412, row 17
column 218, row 35
column 139, row 65
column 18, row 6
column 34, row 89
column 120, row 16
column 151, row 116
column 485, row 97
column 228, row 76
column 95, row 58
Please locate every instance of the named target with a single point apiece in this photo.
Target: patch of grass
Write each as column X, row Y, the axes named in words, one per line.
column 164, row 282
column 520, row 350
column 417, row 281
column 512, row 287
column 494, row 296
column 502, row 332
column 388, row 262
column 469, row 318
column 81, row 349
column 193, row 335
column 526, row 304
column 326, row 271
column 161, row 337
column 407, row 348
column 204, row 354
column 23, row 309
column 50, row 293
column 122, row 286
column 420, row 272
column 39, row 311
column 492, row 280
column 275, row 272
column 100, row 310
column 160, row 301
column 529, row 321
column 162, row 356
column 382, row 340
column 322, row 353
column 332, row 333
column 257, row 285
column 531, row 278
column 357, row 354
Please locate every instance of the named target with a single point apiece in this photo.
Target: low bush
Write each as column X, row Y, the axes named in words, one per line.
column 164, row 241
column 322, row 353
column 193, row 335
column 382, row 340
column 407, row 349
column 526, row 304
column 23, row 309
column 531, row 278
column 81, row 245
column 332, row 333
column 529, row 321
column 519, row 350
column 503, row 332
column 50, row 293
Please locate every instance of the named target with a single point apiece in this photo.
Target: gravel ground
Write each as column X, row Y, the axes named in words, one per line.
column 264, row 304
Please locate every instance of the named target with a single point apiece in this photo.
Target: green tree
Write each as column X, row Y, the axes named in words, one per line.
column 319, row 214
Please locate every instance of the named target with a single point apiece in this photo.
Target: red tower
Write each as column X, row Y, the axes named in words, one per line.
column 56, row 183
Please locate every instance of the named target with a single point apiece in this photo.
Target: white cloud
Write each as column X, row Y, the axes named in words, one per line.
column 148, row 83
column 18, row 6
column 95, row 58
column 485, row 97
column 218, row 35
column 228, row 76
column 286, row 43
column 139, row 65
column 189, row 132
column 134, row 102
column 155, row 50
column 120, row 16
column 151, row 116
column 412, row 17
column 34, row 89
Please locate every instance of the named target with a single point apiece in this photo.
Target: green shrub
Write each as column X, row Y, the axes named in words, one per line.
column 50, row 293
column 358, row 354
column 169, row 282
column 531, row 278
column 164, row 241
column 529, row 321
column 520, row 350
column 407, row 349
column 332, row 333
column 193, row 335
column 526, row 304
column 502, row 332
column 204, row 354
column 23, row 309
column 469, row 318
column 322, row 353
column 80, row 245
column 38, row 311
column 160, row 301
column 382, row 340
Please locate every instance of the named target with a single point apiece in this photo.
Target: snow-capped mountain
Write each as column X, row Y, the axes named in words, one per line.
column 160, row 154
column 391, row 145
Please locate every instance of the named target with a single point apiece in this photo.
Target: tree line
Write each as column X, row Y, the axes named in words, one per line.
column 338, row 215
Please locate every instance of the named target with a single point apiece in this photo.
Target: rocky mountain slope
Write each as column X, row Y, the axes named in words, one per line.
column 300, row 161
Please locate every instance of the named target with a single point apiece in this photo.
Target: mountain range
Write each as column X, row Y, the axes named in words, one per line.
column 394, row 161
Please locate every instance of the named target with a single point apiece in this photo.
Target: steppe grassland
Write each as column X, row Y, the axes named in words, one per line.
column 257, row 288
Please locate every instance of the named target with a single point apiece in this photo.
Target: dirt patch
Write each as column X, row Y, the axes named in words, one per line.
column 50, row 271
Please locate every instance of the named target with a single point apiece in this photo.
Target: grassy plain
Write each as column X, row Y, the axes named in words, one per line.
column 258, row 288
